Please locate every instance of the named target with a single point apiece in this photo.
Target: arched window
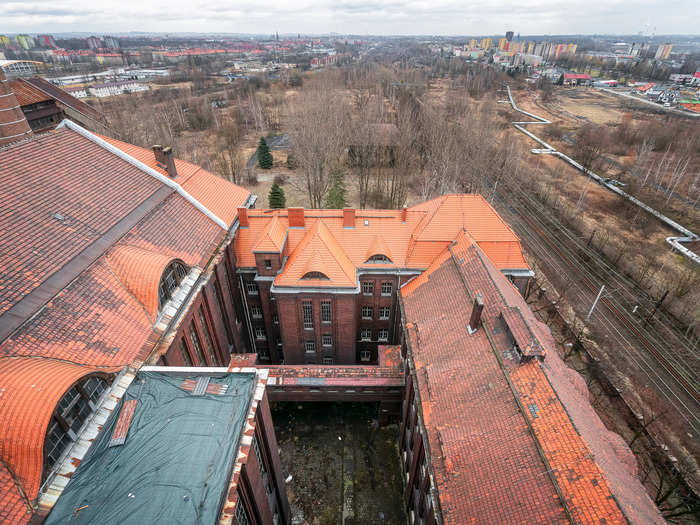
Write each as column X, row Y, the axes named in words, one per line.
column 172, row 276
column 315, row 275
column 378, row 259
column 71, row 412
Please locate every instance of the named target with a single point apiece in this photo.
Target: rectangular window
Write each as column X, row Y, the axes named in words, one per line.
column 260, row 334
column 367, row 312
column 386, row 288
column 384, row 313
column 268, row 264
column 325, row 311
column 366, row 334
column 383, row 335
column 241, row 514
column 197, row 345
column 310, row 347
column 365, row 355
column 184, row 354
column 252, row 288
column 368, row 287
column 275, row 318
column 256, row 311
column 326, row 340
column 328, row 360
column 208, row 343
column 307, row 311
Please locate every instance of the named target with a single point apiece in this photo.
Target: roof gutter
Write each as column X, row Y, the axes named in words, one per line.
column 146, row 169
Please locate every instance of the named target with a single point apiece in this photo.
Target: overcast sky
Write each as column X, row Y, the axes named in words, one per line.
column 381, row 17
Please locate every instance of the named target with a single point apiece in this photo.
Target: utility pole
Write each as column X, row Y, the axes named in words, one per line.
column 588, row 317
column 656, row 307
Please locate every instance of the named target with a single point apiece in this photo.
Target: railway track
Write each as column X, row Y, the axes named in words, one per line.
column 653, row 355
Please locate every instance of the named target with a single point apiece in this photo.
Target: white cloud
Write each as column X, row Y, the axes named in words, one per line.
column 352, row 16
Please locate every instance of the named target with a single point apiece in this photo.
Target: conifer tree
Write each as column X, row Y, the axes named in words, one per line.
column 335, row 198
column 276, row 197
column 264, row 155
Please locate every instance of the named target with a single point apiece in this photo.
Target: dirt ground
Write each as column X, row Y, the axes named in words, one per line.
column 344, row 468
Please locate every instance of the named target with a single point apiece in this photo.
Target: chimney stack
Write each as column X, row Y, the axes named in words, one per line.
column 349, row 218
column 165, row 160
column 13, row 123
column 404, row 213
column 243, row 217
column 296, row 217
column 475, row 319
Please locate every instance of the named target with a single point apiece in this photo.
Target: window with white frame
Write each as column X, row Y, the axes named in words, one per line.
column 387, row 288
column 268, row 264
column 367, row 312
column 307, row 312
column 251, row 288
column 383, row 335
column 384, row 312
column 368, row 287
column 365, row 355
column 366, row 334
column 310, row 347
column 325, row 311
column 256, row 311
column 260, row 333
column 326, row 340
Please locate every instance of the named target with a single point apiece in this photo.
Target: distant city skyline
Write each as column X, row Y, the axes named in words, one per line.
column 378, row 17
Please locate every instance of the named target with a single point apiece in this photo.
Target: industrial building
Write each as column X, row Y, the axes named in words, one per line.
column 144, row 299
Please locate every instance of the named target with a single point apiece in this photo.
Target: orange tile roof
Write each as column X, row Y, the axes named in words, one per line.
column 320, row 252
column 220, row 196
column 14, row 510
column 140, row 272
column 412, row 243
column 60, row 195
column 510, row 441
column 31, row 388
column 26, row 93
column 272, row 238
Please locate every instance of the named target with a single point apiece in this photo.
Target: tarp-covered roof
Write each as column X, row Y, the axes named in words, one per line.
column 175, row 464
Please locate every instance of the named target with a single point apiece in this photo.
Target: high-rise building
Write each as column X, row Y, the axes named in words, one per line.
column 664, row 51
column 502, row 44
column 509, row 36
column 25, row 41
column 111, row 42
column 46, row 41
column 4, row 41
column 530, row 48
column 94, row 42
column 472, row 43
column 486, row 43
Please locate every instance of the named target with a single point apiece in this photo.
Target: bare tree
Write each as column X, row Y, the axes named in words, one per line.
column 319, row 135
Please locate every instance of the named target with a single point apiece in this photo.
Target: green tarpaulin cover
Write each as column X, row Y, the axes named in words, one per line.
column 175, row 464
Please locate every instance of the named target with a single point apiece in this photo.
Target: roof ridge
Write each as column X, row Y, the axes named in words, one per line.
column 146, row 169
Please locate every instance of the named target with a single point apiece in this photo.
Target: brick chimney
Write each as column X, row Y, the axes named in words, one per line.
column 165, row 160
column 404, row 213
column 349, row 218
column 13, row 124
column 296, row 217
column 475, row 319
column 243, row 217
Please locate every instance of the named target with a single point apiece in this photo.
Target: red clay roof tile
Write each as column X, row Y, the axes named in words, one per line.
column 14, row 510
column 31, row 388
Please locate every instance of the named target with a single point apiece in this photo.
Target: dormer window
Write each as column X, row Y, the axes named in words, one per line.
column 315, row 275
column 172, row 276
column 378, row 258
column 71, row 413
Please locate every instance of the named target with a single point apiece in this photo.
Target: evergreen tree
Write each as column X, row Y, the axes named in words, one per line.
column 335, row 198
column 276, row 197
column 264, row 155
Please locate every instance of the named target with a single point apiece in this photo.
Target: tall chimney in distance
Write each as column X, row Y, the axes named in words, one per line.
column 13, row 124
